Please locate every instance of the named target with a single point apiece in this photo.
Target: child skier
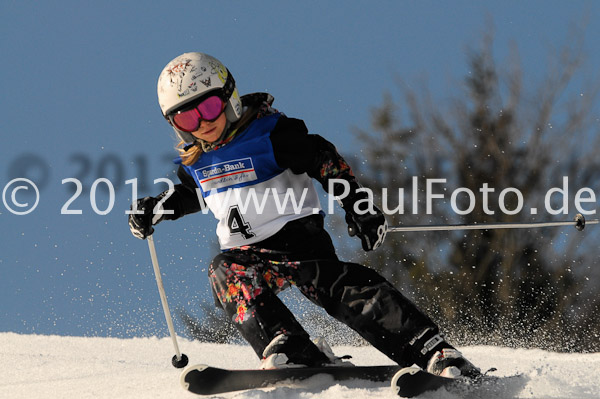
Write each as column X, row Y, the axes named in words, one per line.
column 233, row 147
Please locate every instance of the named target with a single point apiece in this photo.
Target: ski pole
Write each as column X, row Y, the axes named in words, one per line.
column 579, row 223
column 179, row 360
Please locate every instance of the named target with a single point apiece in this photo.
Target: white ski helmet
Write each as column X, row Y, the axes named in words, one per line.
column 191, row 76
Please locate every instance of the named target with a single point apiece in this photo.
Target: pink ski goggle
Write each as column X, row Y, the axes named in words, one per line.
column 189, row 119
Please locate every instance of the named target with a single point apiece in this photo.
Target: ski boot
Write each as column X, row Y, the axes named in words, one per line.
column 287, row 351
column 450, row 363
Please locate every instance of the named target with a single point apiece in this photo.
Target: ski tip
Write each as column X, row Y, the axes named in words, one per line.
column 406, row 370
column 187, row 370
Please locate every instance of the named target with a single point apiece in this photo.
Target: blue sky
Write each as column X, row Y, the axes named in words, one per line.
column 79, row 100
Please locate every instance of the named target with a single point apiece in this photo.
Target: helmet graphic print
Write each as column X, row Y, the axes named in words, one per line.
column 192, row 76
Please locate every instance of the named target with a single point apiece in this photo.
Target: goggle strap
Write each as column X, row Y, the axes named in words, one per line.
column 229, row 86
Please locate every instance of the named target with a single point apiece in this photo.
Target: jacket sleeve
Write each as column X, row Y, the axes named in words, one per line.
column 185, row 199
column 307, row 153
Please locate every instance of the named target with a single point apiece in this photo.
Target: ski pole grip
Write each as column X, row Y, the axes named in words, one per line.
column 579, row 222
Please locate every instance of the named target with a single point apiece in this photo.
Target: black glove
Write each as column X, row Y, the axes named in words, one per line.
column 370, row 227
column 141, row 223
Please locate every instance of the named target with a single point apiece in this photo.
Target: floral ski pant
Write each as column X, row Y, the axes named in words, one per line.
column 246, row 281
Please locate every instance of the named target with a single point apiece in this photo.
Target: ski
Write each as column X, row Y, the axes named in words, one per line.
column 413, row 381
column 206, row 380
column 409, row 382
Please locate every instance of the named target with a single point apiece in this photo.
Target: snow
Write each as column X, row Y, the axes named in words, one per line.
column 38, row 366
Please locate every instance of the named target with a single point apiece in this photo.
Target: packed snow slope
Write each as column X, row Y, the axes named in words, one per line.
column 53, row 367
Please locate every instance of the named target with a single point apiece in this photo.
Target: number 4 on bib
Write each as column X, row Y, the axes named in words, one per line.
column 237, row 224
